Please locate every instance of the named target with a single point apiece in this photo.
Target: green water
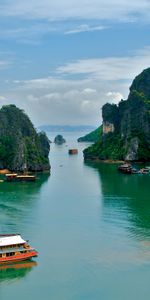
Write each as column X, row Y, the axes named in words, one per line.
column 91, row 226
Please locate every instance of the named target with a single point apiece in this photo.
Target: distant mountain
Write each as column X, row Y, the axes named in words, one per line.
column 93, row 136
column 66, row 128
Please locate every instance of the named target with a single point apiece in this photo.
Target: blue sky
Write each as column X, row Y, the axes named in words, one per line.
column 62, row 60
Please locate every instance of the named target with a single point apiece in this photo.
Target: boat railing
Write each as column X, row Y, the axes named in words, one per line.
column 15, row 250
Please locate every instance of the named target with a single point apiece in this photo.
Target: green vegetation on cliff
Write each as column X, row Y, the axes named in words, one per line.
column 93, row 136
column 21, row 147
column 126, row 126
column 112, row 149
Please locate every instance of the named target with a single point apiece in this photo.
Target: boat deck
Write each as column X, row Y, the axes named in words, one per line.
column 10, row 250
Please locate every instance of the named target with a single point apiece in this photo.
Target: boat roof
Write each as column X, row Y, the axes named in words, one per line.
column 126, row 165
column 11, row 174
column 11, row 240
column 25, row 176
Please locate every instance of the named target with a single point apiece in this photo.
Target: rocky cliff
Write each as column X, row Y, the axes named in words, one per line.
column 126, row 126
column 21, row 147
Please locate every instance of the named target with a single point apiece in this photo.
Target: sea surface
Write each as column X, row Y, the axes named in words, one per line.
column 90, row 225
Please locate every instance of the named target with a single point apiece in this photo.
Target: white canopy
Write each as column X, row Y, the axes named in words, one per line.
column 11, row 240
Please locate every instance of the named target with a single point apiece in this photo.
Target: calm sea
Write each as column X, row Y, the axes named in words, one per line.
column 90, row 225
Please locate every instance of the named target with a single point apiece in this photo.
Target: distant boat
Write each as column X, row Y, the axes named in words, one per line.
column 13, row 248
column 144, row 170
column 73, row 151
column 135, row 171
column 125, row 168
column 128, row 169
column 16, row 177
column 147, row 168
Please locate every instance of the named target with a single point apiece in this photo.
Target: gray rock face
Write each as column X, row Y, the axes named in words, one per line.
column 59, row 140
column 132, row 152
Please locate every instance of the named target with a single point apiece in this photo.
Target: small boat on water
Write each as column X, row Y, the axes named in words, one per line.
column 73, row 151
column 129, row 169
column 144, row 171
column 13, row 249
column 125, row 168
column 147, row 168
column 135, row 171
column 16, row 177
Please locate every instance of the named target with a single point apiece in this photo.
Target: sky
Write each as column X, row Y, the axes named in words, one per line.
column 62, row 60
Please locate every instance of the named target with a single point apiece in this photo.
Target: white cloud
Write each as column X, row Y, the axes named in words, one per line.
column 59, row 101
column 76, row 9
column 32, row 98
column 37, row 18
column 88, row 91
column 34, row 31
column 78, row 101
column 109, row 68
column 2, row 98
column 31, row 33
column 85, row 28
column 114, row 97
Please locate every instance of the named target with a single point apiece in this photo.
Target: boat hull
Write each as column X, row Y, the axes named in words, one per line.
column 19, row 257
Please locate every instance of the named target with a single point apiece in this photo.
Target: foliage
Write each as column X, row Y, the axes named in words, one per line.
column 110, row 148
column 93, row 136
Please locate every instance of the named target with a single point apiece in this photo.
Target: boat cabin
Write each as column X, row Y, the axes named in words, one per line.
column 73, row 151
column 14, row 248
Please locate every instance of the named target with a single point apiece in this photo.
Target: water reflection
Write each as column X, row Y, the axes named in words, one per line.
column 15, row 271
column 125, row 199
column 17, row 200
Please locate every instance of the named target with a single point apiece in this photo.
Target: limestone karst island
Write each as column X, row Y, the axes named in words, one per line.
column 21, row 147
column 125, row 133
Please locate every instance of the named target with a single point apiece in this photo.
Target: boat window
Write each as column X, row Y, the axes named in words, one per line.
column 10, row 254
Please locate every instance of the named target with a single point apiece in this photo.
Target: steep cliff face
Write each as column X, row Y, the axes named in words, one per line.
column 126, row 127
column 21, row 147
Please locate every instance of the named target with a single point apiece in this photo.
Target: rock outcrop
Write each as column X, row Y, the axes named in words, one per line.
column 126, row 126
column 59, row 140
column 21, row 147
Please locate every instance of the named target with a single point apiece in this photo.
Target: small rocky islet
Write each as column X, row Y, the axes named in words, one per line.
column 59, row 140
column 125, row 132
